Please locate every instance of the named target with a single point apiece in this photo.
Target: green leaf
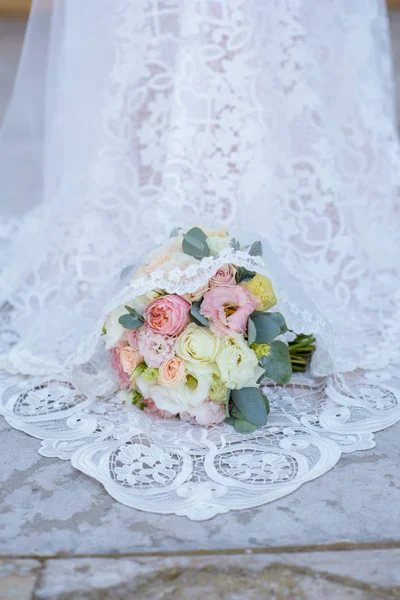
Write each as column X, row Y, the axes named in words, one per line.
column 249, row 401
column 126, row 271
column 259, row 380
column 195, row 243
column 175, row 232
column 242, row 426
column 277, row 364
column 251, row 332
column 235, row 412
column 267, row 404
column 235, row 244
column 244, row 274
column 230, row 420
column 268, row 326
column 256, row 249
column 196, row 316
column 134, row 313
column 228, row 397
column 136, row 397
column 130, row 322
column 138, row 371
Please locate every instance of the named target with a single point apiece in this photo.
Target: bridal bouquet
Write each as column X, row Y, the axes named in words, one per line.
column 201, row 355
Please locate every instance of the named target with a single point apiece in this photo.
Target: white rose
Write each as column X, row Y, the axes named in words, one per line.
column 178, row 260
column 140, row 303
column 217, row 243
column 238, row 364
column 114, row 330
column 198, row 347
column 207, row 413
column 189, row 393
column 124, row 397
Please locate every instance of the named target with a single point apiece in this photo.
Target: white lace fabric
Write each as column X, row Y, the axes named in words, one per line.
column 269, row 116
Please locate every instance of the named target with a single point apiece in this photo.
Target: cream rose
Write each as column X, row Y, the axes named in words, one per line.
column 197, row 295
column 171, row 372
column 178, row 260
column 130, row 359
column 114, row 332
column 198, row 347
column 238, row 364
column 206, row 414
column 190, row 392
column 217, row 243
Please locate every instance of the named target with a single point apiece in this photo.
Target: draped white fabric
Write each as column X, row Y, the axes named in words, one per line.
column 131, row 117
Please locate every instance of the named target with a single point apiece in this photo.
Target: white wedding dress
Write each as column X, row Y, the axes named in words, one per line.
column 130, row 117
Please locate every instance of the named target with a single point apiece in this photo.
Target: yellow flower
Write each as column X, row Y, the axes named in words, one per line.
column 261, row 350
column 150, row 374
column 261, row 287
column 218, row 390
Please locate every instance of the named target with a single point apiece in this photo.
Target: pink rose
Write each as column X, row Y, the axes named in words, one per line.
column 224, row 276
column 228, row 309
column 117, row 365
column 197, row 294
column 155, row 348
column 152, row 408
column 171, row 372
column 130, row 359
column 206, row 414
column 168, row 315
column 133, row 338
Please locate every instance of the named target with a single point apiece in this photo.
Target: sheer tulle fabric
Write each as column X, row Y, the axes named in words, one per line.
column 129, row 118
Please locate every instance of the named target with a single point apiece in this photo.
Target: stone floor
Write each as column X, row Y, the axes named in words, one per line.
column 62, row 536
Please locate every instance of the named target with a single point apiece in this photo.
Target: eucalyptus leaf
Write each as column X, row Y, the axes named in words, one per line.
column 267, row 404
column 277, row 364
column 242, row 426
column 130, row 322
column 256, row 249
column 244, row 274
column 134, row 313
column 268, row 326
column 230, row 420
column 227, row 400
column 175, row 232
column 235, row 244
column 251, row 332
column 126, row 271
column 249, row 401
column 195, row 243
column 235, row 412
column 259, row 380
column 197, row 317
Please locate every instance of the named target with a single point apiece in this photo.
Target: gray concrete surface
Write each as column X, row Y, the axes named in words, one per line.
column 291, row 576
column 62, row 536
column 48, row 508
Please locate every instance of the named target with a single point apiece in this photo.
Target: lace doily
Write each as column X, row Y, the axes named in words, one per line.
column 172, row 467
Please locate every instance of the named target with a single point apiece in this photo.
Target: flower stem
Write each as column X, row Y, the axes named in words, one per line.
column 301, row 350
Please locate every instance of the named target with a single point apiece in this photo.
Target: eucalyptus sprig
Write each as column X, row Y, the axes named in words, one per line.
column 301, row 350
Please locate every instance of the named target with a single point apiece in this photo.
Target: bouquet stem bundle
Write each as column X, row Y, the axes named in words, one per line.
column 300, row 351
